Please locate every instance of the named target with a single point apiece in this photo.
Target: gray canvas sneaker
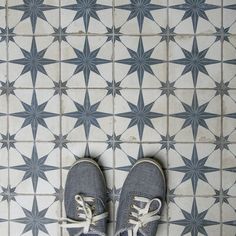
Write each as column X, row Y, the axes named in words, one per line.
column 85, row 200
column 141, row 200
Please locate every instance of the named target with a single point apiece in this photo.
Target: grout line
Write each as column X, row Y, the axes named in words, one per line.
column 104, row 88
column 8, row 108
column 125, row 141
column 221, row 132
column 168, row 118
column 113, row 111
column 121, row 34
column 60, row 122
column 175, row 195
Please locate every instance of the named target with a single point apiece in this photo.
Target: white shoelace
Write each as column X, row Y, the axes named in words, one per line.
column 143, row 216
column 84, row 212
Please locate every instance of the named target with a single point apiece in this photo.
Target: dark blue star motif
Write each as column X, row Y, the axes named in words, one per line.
column 7, row 88
column 222, row 34
column 231, row 7
column 140, row 115
column 194, row 222
column 59, row 34
column 222, row 88
column 113, row 88
column 140, row 9
column 33, row 61
column 167, row 88
column 86, row 9
column 87, row 114
column 195, row 115
column 167, row 34
column 231, row 115
column 60, row 87
column 114, row 194
column 33, row 9
column 8, row 193
column 35, row 220
column 195, row 9
column 221, row 196
column 86, row 61
column 194, row 169
column 8, row 141
column 195, row 61
column 59, row 194
column 221, row 142
column 7, row 34
column 231, row 223
column 34, row 168
column 231, row 169
column 34, row 114
column 167, row 142
column 60, row 141
column 113, row 34
column 140, row 61
column 171, row 196
column 113, row 141
column 232, row 61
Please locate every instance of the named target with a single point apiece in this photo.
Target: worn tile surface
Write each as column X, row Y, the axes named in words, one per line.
column 118, row 80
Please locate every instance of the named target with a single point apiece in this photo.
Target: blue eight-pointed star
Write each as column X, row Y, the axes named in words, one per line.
column 195, row 61
column 34, row 168
column 35, row 220
column 194, row 169
column 86, row 9
column 34, row 114
column 194, row 222
column 195, row 115
column 140, row 115
column 87, row 114
column 33, row 61
column 140, row 61
column 195, row 9
column 140, row 9
column 33, row 9
column 86, row 61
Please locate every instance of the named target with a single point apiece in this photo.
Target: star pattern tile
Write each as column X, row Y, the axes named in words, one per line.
column 194, row 169
column 195, row 61
column 195, row 10
column 35, row 220
column 33, row 61
column 34, row 114
column 34, row 168
column 140, row 10
column 32, row 10
column 194, row 222
column 140, row 115
column 87, row 114
column 86, row 9
column 195, row 115
column 118, row 81
column 140, row 61
column 86, row 61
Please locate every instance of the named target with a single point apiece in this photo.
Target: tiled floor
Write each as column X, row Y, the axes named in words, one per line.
column 118, row 80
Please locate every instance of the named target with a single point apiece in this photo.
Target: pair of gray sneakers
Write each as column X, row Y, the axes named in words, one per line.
column 140, row 202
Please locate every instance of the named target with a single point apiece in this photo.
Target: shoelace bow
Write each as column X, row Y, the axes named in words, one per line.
column 84, row 212
column 143, row 216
